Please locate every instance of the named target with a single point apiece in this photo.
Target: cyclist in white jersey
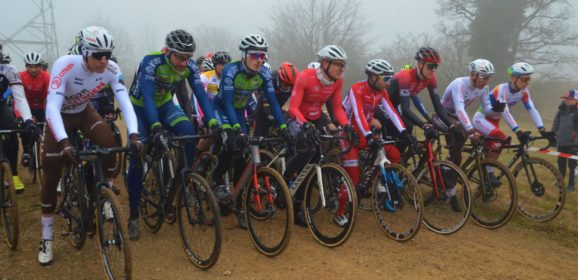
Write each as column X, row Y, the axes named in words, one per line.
column 74, row 80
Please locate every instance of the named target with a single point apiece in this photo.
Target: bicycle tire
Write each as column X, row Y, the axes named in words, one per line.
column 75, row 207
column 323, row 227
column 116, row 242
column 198, row 195
column 271, row 226
column 266, row 157
column 545, row 202
column 438, row 214
column 204, row 164
column 403, row 224
column 8, row 206
column 32, row 163
column 492, row 206
column 150, row 207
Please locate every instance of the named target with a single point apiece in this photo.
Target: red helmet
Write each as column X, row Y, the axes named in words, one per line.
column 428, row 54
column 287, row 73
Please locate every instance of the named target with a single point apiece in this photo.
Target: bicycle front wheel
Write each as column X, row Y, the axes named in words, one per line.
column 494, row 194
column 8, row 206
column 446, row 197
column 541, row 191
column 199, row 221
column 268, row 211
column 75, row 205
column 330, row 205
column 112, row 241
column 397, row 203
column 150, row 200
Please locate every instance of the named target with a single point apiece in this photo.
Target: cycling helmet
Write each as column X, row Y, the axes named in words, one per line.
column 253, row 42
column 332, row 52
column 379, row 67
column 287, row 73
column 200, row 60
column 32, row 58
column 481, row 66
column 180, row 41
column 5, row 58
column 221, row 58
column 428, row 54
column 207, row 65
column 314, row 65
column 74, row 50
column 520, row 68
column 96, row 38
column 113, row 58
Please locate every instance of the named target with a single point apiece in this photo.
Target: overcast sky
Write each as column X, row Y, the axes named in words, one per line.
column 388, row 17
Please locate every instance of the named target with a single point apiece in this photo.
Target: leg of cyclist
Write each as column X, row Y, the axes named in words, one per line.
column 8, row 121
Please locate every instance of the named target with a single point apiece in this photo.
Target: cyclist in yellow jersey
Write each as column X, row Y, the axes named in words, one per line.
column 212, row 78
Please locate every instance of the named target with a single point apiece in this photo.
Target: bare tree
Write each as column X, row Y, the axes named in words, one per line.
column 213, row 38
column 300, row 28
column 535, row 31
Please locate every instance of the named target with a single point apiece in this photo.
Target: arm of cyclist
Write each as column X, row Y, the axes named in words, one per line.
column 272, row 99
column 54, row 101
column 227, row 90
column 439, row 109
column 393, row 115
column 296, row 99
column 404, row 101
column 420, row 107
column 146, row 76
column 20, row 102
column 534, row 114
column 460, row 108
column 121, row 94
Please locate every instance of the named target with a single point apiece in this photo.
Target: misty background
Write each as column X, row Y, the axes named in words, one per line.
column 543, row 33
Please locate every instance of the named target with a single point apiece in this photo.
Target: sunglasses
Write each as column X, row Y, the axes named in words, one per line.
column 525, row 79
column 432, row 66
column 258, row 55
column 100, row 55
column 385, row 78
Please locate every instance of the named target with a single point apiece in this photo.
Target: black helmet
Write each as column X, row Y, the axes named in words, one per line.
column 180, row 41
column 221, row 58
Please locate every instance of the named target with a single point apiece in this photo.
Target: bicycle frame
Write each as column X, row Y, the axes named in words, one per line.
column 429, row 159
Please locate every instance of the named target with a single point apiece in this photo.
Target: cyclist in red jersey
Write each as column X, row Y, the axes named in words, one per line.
column 364, row 98
column 35, row 82
column 313, row 88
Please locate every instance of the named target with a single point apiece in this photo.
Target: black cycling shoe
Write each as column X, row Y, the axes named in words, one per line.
column 299, row 218
column 455, row 204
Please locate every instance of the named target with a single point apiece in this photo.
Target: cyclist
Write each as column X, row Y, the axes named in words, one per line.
column 74, row 80
column 10, row 82
column 212, row 78
column 460, row 94
column 406, row 85
column 364, row 98
column 199, row 62
column 239, row 80
column 207, row 65
column 283, row 80
column 496, row 104
column 313, row 88
column 151, row 94
column 35, row 82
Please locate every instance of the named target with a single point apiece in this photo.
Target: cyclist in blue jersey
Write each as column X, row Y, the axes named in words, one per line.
column 151, row 94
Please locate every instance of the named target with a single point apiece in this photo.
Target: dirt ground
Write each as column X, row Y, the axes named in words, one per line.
column 517, row 251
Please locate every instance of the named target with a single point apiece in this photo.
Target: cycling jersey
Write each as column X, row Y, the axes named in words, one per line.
column 155, row 83
column 406, row 84
column 211, row 81
column 72, row 86
column 9, row 78
column 237, row 88
column 503, row 93
column 35, row 88
column 459, row 94
column 309, row 95
column 361, row 103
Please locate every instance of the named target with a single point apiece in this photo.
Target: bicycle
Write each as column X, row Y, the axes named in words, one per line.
column 112, row 240
column 444, row 187
column 35, row 165
column 327, row 188
column 541, row 191
column 8, row 204
column 196, row 205
column 266, row 201
column 495, row 196
column 391, row 192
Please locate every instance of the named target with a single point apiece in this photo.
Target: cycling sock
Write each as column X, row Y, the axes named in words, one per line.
column 47, row 227
column 353, row 173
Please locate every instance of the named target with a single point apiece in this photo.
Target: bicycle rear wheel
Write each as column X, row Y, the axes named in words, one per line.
column 331, row 224
column 494, row 197
column 204, row 164
column 441, row 214
column 150, row 200
column 401, row 216
column 541, row 191
column 32, row 165
column 199, row 221
column 268, row 211
column 112, row 241
column 74, row 206
column 8, row 206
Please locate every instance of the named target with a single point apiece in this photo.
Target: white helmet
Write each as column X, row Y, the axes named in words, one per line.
column 521, row 68
column 253, row 42
column 314, row 65
column 481, row 66
column 75, row 50
column 379, row 67
column 96, row 38
column 332, row 52
column 32, row 58
column 207, row 65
